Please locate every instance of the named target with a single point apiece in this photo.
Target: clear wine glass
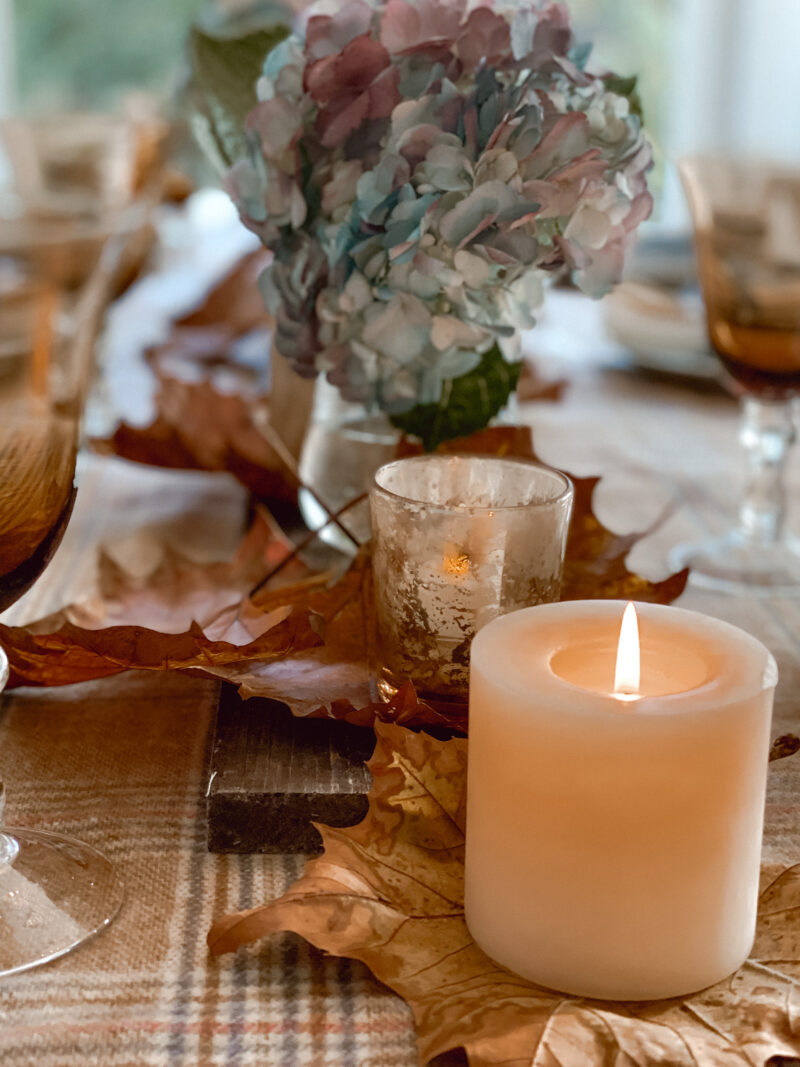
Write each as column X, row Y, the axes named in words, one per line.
column 55, row 892
column 746, row 218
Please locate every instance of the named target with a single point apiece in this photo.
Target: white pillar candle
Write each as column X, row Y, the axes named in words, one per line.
column 613, row 843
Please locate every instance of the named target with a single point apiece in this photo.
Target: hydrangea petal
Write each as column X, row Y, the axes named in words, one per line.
column 421, row 25
column 328, row 34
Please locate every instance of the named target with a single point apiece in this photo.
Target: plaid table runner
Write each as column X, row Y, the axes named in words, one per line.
column 122, row 764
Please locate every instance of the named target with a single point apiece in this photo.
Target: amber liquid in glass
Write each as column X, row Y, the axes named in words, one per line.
column 37, row 467
column 764, row 360
column 38, row 440
column 752, row 307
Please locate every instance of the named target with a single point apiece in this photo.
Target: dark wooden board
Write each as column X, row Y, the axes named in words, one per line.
column 272, row 774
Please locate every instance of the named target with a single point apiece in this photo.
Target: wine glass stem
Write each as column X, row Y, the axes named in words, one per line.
column 767, row 432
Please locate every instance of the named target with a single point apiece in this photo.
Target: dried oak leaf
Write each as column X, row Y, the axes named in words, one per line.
column 389, row 892
column 181, row 615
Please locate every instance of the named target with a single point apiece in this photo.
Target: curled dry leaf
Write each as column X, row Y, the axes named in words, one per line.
column 333, row 680
column 333, row 676
column 181, row 615
column 62, row 652
column 197, row 427
column 389, row 892
column 207, row 402
column 783, row 746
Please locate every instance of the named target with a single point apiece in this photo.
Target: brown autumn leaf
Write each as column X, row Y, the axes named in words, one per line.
column 332, row 680
column 179, row 591
column 783, row 746
column 235, row 302
column 531, row 387
column 389, row 892
column 594, row 564
column 175, row 616
column 198, row 427
column 208, row 400
column 181, row 615
column 313, row 680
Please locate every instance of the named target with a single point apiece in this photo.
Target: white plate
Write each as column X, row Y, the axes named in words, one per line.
column 663, row 329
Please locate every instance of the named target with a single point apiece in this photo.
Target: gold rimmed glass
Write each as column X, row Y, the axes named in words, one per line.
column 746, row 217
column 457, row 541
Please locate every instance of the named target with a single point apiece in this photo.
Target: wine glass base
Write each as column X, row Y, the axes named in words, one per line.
column 731, row 565
column 55, row 893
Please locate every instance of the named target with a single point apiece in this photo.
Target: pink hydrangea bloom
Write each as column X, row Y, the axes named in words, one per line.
column 417, row 167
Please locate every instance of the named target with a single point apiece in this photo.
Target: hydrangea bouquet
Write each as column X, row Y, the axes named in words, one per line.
column 417, row 168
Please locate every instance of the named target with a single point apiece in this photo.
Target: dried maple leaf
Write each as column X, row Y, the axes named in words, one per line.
column 197, row 427
column 56, row 651
column 337, row 670
column 182, row 615
column 594, row 564
column 333, row 680
column 389, row 892
column 207, row 404
column 179, row 591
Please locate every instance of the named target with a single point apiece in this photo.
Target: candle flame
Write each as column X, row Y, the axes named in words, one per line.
column 627, row 673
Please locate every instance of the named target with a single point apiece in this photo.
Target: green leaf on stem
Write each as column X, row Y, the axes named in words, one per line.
column 222, row 90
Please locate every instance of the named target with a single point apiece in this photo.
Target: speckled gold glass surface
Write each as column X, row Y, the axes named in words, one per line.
column 457, row 541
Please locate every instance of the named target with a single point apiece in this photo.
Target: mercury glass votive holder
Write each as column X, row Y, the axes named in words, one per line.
column 457, row 541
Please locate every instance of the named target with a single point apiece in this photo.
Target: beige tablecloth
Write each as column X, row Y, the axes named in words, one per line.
column 122, row 763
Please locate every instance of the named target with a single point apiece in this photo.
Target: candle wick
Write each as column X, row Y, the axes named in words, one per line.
column 626, row 696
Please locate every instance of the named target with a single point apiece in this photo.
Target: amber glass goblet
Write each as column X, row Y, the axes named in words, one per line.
column 55, row 892
column 746, row 218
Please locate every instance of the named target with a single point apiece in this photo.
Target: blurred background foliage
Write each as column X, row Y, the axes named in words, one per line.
column 92, row 54
column 87, row 53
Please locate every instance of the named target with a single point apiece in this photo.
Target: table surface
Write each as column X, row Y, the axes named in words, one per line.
column 121, row 763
